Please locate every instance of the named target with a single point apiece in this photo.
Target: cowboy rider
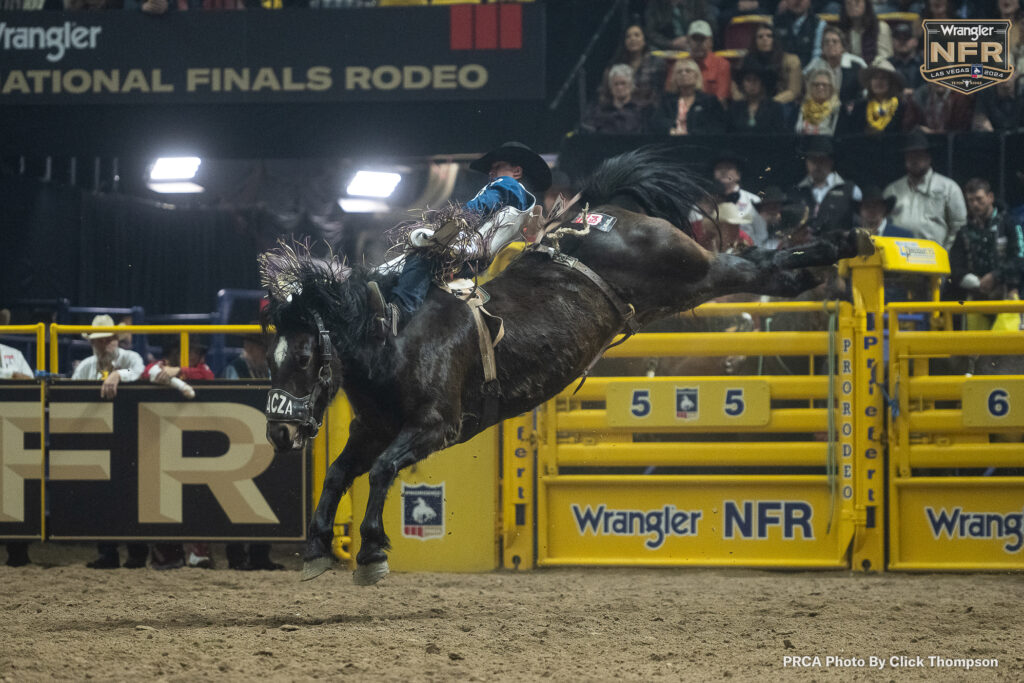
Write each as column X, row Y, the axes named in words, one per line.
column 511, row 168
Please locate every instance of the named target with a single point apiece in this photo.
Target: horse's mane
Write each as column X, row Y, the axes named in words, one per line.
column 650, row 179
column 300, row 283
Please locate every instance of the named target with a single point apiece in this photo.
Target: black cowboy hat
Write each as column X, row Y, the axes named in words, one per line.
column 818, row 146
column 916, row 141
column 728, row 156
column 794, row 216
column 873, row 193
column 773, row 194
column 885, row 68
column 768, row 76
column 535, row 169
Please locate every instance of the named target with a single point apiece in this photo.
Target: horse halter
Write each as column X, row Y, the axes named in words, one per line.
column 284, row 407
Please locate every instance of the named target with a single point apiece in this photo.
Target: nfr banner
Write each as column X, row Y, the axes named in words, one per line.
column 151, row 465
column 487, row 52
column 21, row 460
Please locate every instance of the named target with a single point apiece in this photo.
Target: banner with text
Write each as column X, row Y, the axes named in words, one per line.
column 460, row 52
column 149, row 465
column 21, row 460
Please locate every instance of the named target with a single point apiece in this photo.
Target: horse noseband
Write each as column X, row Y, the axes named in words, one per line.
column 283, row 407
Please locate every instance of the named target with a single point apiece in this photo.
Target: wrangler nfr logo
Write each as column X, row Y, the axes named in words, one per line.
column 966, row 56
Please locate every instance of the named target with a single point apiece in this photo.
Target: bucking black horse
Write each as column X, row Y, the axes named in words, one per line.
column 425, row 390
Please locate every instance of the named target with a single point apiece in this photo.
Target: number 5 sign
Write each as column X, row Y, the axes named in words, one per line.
column 703, row 403
column 993, row 403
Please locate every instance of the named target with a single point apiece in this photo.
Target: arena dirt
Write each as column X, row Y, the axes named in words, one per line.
column 60, row 620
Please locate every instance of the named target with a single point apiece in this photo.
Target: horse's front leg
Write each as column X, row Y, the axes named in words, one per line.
column 412, row 444
column 363, row 446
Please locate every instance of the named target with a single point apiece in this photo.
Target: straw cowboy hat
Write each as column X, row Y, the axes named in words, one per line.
column 730, row 213
column 102, row 320
column 535, row 170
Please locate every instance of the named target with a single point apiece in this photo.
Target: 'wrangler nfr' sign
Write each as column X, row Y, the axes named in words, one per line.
column 966, row 55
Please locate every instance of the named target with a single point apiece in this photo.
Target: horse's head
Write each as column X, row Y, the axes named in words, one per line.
column 304, row 375
column 305, row 367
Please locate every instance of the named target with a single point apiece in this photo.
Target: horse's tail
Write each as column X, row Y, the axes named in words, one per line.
column 650, row 180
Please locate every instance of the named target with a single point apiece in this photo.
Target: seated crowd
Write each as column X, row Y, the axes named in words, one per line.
column 791, row 68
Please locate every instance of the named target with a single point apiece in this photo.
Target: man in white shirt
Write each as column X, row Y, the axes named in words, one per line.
column 12, row 363
column 108, row 362
column 928, row 204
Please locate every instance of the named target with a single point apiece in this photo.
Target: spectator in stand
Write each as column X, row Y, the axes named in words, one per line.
column 617, row 113
column 766, row 53
column 906, row 58
column 667, row 22
column 883, row 110
column 756, row 112
column 648, row 71
column 845, row 67
column 770, row 211
column 170, row 372
column 869, row 38
column 938, row 9
column 252, row 362
column 685, row 108
column 820, row 110
column 169, row 369
column 718, row 225
column 928, row 204
column 942, row 110
column 987, row 256
column 998, row 108
column 799, row 30
column 1010, row 10
column 727, row 170
column 831, row 200
column 113, row 365
column 12, row 363
column 874, row 214
column 713, row 69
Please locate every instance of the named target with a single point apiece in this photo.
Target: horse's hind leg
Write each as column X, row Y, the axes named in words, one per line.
column 359, row 453
column 412, row 445
column 731, row 274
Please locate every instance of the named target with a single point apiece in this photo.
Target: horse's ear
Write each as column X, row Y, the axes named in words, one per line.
column 339, row 270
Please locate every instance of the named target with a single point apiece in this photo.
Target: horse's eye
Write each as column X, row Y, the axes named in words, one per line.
column 304, row 360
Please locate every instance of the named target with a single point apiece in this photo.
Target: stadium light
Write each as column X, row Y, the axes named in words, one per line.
column 378, row 184
column 173, row 175
column 175, row 168
column 358, row 205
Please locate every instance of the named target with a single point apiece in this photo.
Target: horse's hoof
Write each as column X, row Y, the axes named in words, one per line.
column 369, row 574
column 315, row 567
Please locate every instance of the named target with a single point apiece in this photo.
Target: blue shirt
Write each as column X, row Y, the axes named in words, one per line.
column 499, row 193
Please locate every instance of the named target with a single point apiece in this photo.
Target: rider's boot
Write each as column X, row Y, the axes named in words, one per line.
column 386, row 315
